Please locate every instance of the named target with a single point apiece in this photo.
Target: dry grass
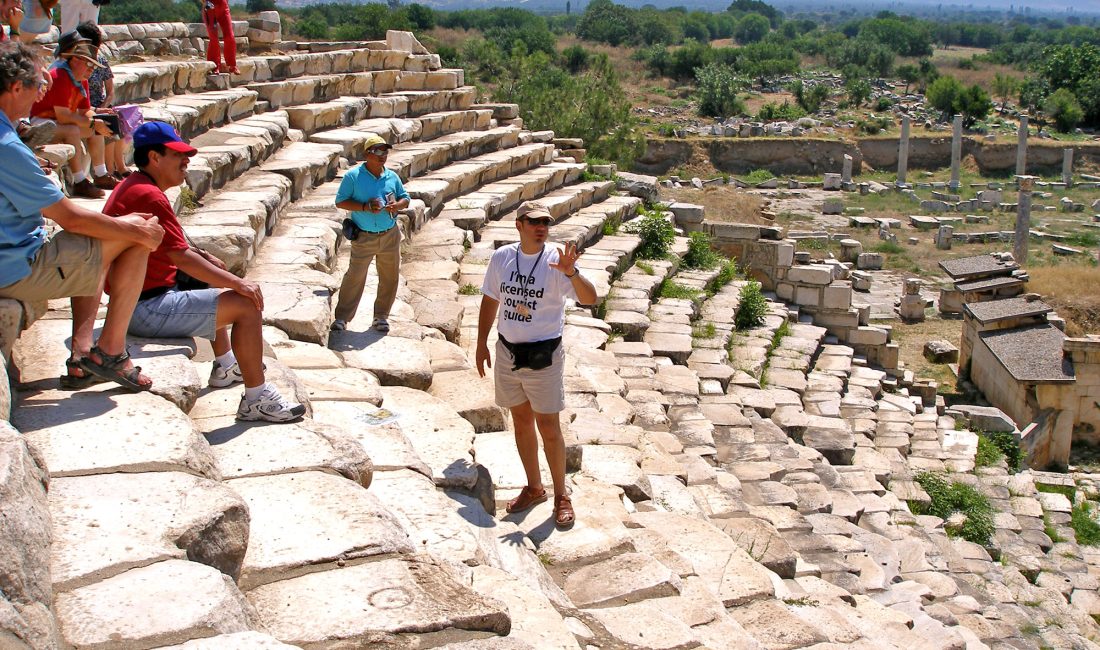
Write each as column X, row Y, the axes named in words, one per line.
column 755, row 101
column 722, row 203
column 947, row 61
column 911, row 338
column 1072, row 291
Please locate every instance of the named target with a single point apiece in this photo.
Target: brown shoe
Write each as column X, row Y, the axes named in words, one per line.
column 563, row 511
column 105, row 182
column 86, row 190
column 527, row 498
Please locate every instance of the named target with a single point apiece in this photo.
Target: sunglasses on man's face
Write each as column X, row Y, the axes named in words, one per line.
column 378, row 151
column 540, row 221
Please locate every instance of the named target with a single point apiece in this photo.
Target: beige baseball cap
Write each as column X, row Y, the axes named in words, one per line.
column 376, row 141
column 533, row 210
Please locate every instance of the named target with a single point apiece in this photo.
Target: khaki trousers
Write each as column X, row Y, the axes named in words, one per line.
column 386, row 248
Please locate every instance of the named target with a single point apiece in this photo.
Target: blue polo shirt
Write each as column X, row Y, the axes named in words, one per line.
column 362, row 186
column 24, row 191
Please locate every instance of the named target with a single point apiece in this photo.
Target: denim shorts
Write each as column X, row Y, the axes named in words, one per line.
column 177, row 313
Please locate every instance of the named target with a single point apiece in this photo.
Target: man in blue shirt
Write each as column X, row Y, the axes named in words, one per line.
column 373, row 195
column 35, row 265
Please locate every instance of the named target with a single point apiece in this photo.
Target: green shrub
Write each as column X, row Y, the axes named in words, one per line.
column 752, row 308
column 469, row 290
column 757, row 176
column 717, row 87
column 883, row 104
column 988, row 454
column 1067, row 491
column 644, row 267
column 1062, row 107
column 772, row 111
column 873, row 125
column 703, row 331
column 700, row 255
column 656, row 232
column 1005, row 442
column 1084, row 524
column 670, row 289
column 949, row 498
column 612, row 226
column 725, row 275
column 888, row 247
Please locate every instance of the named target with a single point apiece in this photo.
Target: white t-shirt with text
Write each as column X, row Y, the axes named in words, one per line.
column 531, row 294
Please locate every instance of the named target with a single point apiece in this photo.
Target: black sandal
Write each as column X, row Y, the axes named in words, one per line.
column 110, row 369
column 69, row 381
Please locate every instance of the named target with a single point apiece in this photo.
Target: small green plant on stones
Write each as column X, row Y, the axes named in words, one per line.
column 612, row 225
column 726, row 274
column 1006, row 443
column 1050, row 530
column 700, row 255
column 757, row 176
column 752, row 308
column 670, row 289
column 1084, row 524
column 189, row 202
column 645, row 267
column 949, row 498
column 988, row 455
column 703, row 331
column 469, row 290
column 656, row 232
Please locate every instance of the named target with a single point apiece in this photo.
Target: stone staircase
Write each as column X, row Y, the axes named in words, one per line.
column 734, row 489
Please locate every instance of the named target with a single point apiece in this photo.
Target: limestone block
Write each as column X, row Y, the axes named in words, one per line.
column 374, row 428
column 837, row 295
column 535, row 621
column 941, row 352
column 728, row 571
column 832, row 182
column 832, row 206
column 440, row 436
column 867, row 336
column 644, row 625
column 121, row 431
column 286, row 511
column 869, row 261
column 472, row 396
column 761, row 540
column 395, row 361
column 194, row 601
column 236, row 641
column 687, row 213
column 359, row 604
column 244, row 449
column 623, row 579
column 108, row 524
column 813, row 274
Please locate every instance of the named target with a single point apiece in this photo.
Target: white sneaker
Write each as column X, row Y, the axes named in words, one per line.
column 269, row 406
column 339, row 325
column 221, row 377
column 381, row 325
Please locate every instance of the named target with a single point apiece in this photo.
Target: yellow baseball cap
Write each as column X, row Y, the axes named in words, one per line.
column 377, row 141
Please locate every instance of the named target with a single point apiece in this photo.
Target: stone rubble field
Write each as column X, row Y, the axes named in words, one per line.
column 714, row 509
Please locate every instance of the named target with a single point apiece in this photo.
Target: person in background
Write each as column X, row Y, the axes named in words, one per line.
column 373, row 195
column 74, row 12
column 67, row 104
column 37, row 19
column 215, row 14
column 11, row 14
column 101, row 93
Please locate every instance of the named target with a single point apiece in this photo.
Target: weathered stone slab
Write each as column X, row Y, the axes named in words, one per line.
column 472, row 396
column 394, row 360
column 373, row 603
column 235, row 641
column 440, row 436
column 762, row 542
column 106, row 525
column 245, row 449
column 616, row 465
column 626, row 578
column 119, row 431
column 729, row 572
column 341, row 384
column 772, row 621
column 375, row 430
column 193, row 601
column 534, row 619
column 287, row 510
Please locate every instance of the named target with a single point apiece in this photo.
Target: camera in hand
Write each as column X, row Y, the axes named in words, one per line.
column 111, row 120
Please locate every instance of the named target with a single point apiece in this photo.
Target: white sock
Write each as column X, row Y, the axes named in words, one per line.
column 253, row 393
column 100, row 170
column 227, row 360
column 79, row 176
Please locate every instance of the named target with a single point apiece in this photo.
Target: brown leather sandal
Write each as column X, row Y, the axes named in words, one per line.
column 527, row 498
column 563, row 511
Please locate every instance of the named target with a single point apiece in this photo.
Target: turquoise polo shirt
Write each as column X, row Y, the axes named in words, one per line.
column 362, row 186
column 24, row 191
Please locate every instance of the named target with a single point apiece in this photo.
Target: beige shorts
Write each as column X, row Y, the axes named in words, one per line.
column 545, row 388
column 67, row 265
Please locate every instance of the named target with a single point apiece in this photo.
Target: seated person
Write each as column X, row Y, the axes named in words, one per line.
column 165, row 311
column 101, row 93
column 67, row 103
column 37, row 266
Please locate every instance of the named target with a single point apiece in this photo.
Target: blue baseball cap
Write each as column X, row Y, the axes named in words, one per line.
column 154, row 133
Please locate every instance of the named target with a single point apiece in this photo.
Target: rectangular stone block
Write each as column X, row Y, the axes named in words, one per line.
column 818, row 274
column 867, row 336
column 837, row 295
column 808, row 296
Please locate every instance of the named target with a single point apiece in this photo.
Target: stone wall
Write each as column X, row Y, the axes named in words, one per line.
column 816, row 156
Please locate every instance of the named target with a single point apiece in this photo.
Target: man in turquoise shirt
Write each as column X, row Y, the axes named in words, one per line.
column 35, row 266
column 373, row 195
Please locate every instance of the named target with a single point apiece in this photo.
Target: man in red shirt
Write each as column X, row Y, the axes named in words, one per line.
column 163, row 310
column 67, row 104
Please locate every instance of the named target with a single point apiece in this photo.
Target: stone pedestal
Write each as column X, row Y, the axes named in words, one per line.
column 943, row 237
column 850, row 250
column 832, row 206
column 831, row 182
column 1023, row 218
column 903, row 150
column 956, row 151
column 1067, row 167
column 846, row 170
column 1021, row 147
column 911, row 305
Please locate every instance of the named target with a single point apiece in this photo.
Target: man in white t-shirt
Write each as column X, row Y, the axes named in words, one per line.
column 525, row 287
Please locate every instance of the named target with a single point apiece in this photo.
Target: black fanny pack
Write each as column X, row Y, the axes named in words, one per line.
column 535, row 355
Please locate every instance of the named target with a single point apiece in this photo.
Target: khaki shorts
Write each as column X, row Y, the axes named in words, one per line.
column 545, row 388
column 66, row 265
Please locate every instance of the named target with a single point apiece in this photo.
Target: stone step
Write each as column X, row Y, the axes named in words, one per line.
column 398, row 129
column 193, row 113
column 227, row 152
column 473, row 209
column 459, row 178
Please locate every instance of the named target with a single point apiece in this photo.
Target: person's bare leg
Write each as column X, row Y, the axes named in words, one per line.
column 124, row 266
column 553, row 445
column 70, row 134
column 523, row 420
column 96, row 151
column 247, row 337
column 221, row 341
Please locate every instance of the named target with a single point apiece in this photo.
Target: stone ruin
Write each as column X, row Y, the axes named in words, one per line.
column 734, row 489
column 979, row 278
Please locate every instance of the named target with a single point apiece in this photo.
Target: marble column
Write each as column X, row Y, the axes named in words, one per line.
column 1023, row 218
column 1067, row 166
column 846, row 170
column 903, row 150
column 956, row 151
column 1021, row 147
